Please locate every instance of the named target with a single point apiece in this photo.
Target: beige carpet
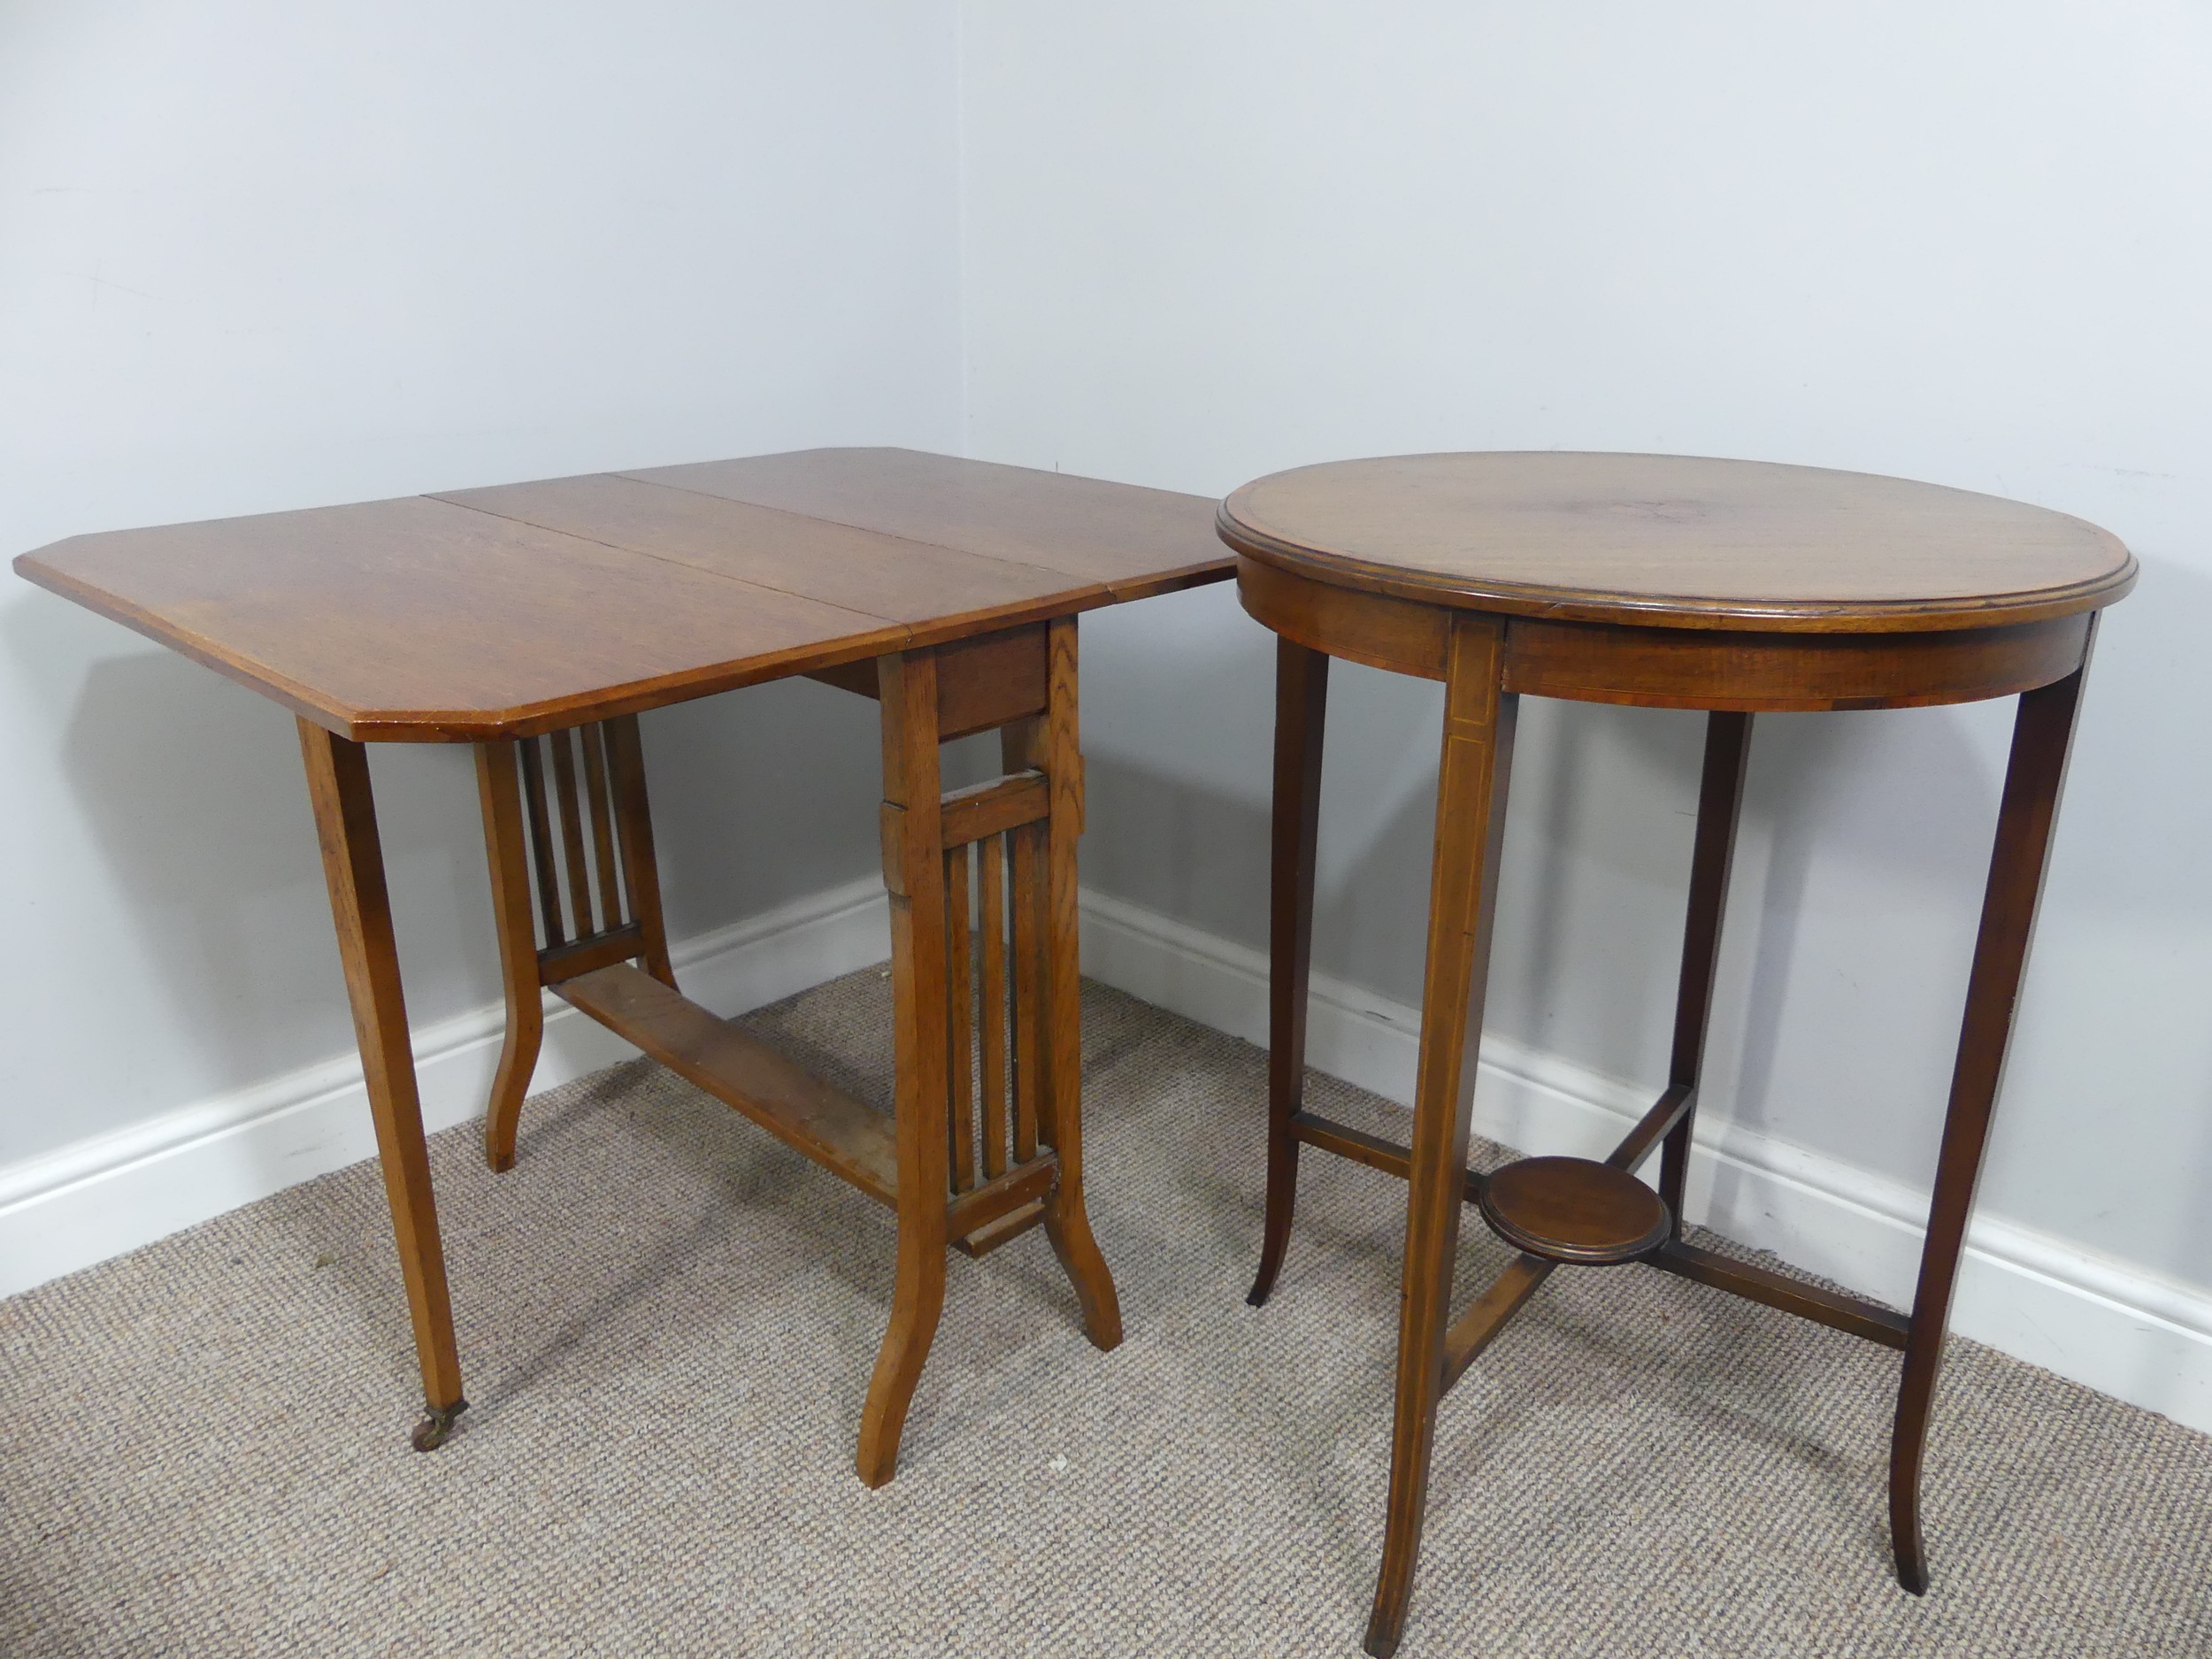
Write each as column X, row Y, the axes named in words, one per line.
column 668, row 1320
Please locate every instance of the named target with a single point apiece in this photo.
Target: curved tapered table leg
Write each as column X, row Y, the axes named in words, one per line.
column 2041, row 734
column 353, row 863
column 914, row 873
column 1469, row 831
column 1302, row 693
column 1067, row 1221
column 500, row 790
column 917, row 1300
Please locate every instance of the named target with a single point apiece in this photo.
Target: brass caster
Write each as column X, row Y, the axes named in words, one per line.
column 431, row 1433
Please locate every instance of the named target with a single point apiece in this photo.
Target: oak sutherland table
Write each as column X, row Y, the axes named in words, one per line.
column 1668, row 583
column 536, row 621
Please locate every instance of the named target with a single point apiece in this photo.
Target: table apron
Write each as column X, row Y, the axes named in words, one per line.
column 1701, row 668
column 1732, row 668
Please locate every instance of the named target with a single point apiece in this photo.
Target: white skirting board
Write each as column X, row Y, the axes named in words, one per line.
column 2100, row 1321
column 101, row 1196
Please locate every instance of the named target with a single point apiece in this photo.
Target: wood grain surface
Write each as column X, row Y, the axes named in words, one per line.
column 525, row 609
column 1677, row 541
column 1574, row 1209
column 1137, row 541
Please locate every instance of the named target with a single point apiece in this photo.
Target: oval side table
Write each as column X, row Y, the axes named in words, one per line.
column 1672, row 582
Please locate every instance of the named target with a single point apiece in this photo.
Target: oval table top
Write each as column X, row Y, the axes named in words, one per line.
column 1677, row 541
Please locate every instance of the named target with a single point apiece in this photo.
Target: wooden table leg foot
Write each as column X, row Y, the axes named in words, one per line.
column 1413, row 1442
column 437, row 1425
column 1070, row 1230
column 1912, row 1557
column 1379, row 1641
column 916, row 1303
column 1282, row 1177
column 518, row 1062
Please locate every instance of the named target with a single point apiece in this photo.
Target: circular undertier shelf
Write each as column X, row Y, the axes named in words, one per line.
column 1574, row 1211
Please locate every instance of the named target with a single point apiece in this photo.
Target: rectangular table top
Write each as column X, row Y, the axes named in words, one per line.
column 525, row 608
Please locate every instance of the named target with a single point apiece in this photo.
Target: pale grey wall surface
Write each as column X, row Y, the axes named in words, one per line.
column 1966, row 244
column 256, row 257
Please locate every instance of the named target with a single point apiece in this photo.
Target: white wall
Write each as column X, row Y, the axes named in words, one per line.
column 1964, row 243
column 259, row 255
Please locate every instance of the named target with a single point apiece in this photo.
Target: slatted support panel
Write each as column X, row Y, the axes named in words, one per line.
column 598, row 890
column 576, row 887
column 960, row 1018
column 994, row 908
